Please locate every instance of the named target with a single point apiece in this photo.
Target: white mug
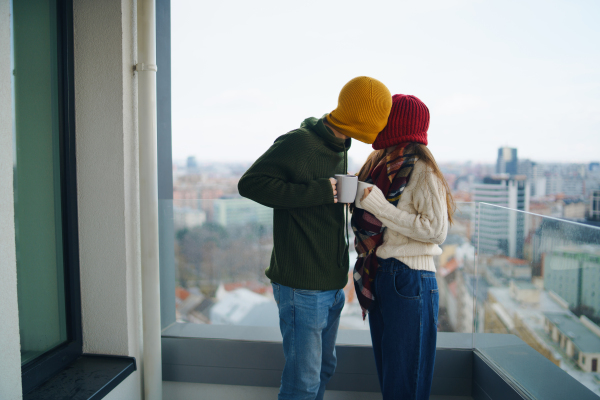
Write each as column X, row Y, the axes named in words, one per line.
column 346, row 188
column 360, row 191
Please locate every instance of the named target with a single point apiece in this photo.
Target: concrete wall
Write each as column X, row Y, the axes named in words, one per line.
column 589, row 357
column 10, row 362
column 107, row 175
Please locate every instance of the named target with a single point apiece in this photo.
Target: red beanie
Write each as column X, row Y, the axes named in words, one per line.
column 408, row 122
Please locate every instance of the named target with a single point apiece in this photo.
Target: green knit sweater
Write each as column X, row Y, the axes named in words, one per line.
column 292, row 177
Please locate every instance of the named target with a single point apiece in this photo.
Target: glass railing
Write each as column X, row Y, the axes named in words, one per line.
column 222, row 248
column 455, row 274
column 539, row 278
column 501, row 271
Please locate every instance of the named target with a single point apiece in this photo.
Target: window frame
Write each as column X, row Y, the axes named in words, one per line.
column 40, row 369
column 164, row 163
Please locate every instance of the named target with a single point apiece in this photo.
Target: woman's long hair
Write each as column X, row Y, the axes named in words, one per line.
column 423, row 153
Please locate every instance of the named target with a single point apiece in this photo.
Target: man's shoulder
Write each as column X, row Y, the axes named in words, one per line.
column 299, row 137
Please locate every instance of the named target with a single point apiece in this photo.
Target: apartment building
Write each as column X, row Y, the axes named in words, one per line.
column 501, row 231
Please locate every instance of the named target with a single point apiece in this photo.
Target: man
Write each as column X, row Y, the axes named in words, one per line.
column 309, row 263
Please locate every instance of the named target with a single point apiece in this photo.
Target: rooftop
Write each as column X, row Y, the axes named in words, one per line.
column 583, row 338
column 583, row 249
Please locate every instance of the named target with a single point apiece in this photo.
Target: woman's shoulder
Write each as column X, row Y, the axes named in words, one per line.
column 421, row 169
column 421, row 166
column 424, row 173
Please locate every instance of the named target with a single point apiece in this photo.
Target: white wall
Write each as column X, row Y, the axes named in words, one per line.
column 107, row 178
column 10, row 362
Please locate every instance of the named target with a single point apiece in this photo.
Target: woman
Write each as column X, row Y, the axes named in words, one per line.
column 394, row 274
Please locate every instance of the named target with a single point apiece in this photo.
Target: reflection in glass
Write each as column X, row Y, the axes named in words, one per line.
column 37, row 177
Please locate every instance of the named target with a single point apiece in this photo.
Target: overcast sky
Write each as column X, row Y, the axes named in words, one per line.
column 517, row 73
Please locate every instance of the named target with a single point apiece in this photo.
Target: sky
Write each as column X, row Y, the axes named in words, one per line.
column 523, row 74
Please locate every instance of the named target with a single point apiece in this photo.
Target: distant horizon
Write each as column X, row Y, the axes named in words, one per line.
column 204, row 161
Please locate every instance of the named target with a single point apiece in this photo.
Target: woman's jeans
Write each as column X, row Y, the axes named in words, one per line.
column 309, row 321
column 404, row 329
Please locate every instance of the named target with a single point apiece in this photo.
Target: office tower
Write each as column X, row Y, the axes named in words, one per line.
column 573, row 186
column 554, row 183
column 528, row 168
column 535, row 176
column 595, row 205
column 191, row 164
column 501, row 231
column 508, row 162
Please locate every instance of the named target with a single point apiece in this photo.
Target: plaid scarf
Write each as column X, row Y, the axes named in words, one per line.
column 391, row 175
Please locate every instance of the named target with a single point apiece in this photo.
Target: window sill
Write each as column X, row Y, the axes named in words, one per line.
column 90, row 377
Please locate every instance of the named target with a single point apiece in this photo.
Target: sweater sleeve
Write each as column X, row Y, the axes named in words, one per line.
column 429, row 225
column 270, row 180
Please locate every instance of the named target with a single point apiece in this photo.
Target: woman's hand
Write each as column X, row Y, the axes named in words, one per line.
column 367, row 191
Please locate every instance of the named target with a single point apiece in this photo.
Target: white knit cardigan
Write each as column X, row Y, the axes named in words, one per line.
column 418, row 225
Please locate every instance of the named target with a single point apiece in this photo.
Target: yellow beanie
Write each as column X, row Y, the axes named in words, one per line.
column 363, row 109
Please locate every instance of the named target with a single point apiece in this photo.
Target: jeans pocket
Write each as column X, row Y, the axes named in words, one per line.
column 275, row 292
column 435, row 305
column 340, row 296
column 407, row 284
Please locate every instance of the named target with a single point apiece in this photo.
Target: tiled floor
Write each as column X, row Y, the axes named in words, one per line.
column 190, row 391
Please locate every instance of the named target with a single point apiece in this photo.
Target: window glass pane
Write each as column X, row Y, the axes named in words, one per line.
column 37, row 177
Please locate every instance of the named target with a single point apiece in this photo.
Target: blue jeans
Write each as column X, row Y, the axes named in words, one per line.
column 309, row 321
column 404, row 330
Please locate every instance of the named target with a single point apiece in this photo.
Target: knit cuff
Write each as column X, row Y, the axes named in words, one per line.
column 326, row 190
column 375, row 201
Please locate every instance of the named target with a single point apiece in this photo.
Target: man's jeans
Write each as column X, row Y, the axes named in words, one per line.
column 309, row 321
column 404, row 329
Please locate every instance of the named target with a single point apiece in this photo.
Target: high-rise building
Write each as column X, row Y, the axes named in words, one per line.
column 501, row 231
column 528, row 168
column 573, row 186
column 554, row 184
column 595, row 205
column 507, row 162
column 191, row 164
column 534, row 174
